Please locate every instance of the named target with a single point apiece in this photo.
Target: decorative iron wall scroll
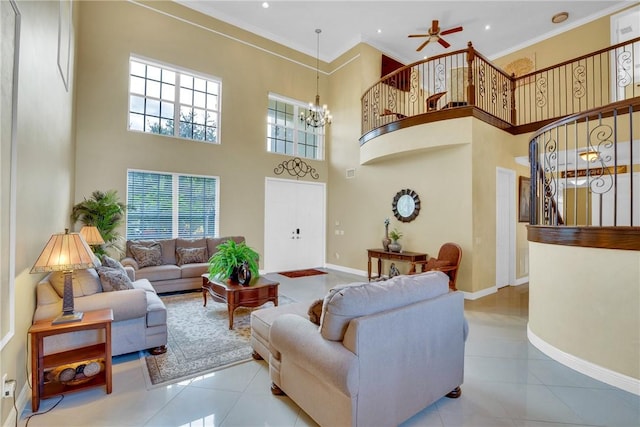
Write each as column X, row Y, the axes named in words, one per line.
column 296, row 167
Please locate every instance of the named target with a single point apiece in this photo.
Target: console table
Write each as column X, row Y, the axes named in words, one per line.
column 405, row 256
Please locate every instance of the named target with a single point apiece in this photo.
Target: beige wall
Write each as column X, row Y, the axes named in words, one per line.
column 45, row 172
column 110, row 32
column 584, row 301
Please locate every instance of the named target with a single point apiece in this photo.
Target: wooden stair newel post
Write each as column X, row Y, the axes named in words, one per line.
column 471, row 89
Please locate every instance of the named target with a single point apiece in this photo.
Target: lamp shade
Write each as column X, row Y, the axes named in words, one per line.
column 91, row 235
column 64, row 252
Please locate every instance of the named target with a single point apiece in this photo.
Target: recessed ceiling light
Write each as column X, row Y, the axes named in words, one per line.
column 559, row 17
column 487, row 27
column 379, row 30
column 265, row 5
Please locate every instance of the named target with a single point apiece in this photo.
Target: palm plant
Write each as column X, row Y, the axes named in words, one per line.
column 230, row 255
column 104, row 211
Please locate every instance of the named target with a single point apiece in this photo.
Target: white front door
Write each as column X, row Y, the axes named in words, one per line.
column 505, row 227
column 294, row 224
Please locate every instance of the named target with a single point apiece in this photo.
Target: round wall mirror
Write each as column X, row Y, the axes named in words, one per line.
column 406, row 205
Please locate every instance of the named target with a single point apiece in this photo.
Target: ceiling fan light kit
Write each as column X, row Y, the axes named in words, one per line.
column 434, row 34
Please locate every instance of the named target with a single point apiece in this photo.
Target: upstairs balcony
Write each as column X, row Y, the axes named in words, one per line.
column 464, row 83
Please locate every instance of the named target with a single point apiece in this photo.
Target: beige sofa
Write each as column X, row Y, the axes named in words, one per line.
column 139, row 315
column 170, row 274
column 384, row 350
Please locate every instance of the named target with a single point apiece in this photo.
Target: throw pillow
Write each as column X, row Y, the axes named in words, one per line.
column 113, row 279
column 107, row 261
column 147, row 256
column 315, row 311
column 191, row 255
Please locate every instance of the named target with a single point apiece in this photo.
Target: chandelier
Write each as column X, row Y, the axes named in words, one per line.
column 316, row 116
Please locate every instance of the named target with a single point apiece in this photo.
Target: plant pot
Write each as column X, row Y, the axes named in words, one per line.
column 395, row 246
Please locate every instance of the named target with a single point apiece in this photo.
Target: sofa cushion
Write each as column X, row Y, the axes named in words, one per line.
column 147, row 256
column 114, row 279
column 107, row 261
column 191, row 255
column 192, row 243
column 344, row 303
column 159, row 272
column 85, row 282
column 194, row 270
column 214, row 242
column 143, row 284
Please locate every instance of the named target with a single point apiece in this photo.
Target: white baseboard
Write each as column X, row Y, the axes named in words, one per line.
column 346, row 269
column 521, row 281
column 481, row 293
column 616, row 379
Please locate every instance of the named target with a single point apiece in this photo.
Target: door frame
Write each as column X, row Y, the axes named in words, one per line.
column 322, row 220
column 507, row 178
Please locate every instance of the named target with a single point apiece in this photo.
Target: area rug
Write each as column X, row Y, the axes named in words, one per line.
column 199, row 339
column 302, row 273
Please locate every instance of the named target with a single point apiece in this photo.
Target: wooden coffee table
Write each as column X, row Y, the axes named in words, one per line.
column 259, row 292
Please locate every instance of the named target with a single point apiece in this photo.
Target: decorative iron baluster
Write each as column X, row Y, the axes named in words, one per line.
column 494, row 87
column 550, row 184
column 623, row 62
column 392, row 94
column 579, row 78
column 440, row 79
column 506, row 91
column 601, row 177
column 413, row 91
column 375, row 110
column 365, row 110
column 481, row 79
column 541, row 91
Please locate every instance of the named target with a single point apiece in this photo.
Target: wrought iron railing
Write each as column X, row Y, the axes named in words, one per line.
column 585, row 169
column 466, row 78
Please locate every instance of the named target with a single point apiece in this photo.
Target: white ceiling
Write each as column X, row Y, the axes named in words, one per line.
column 514, row 24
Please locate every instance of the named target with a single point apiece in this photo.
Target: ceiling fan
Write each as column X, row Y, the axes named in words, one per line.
column 434, row 34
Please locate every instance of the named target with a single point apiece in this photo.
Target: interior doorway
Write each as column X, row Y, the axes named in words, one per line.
column 505, row 227
column 294, row 224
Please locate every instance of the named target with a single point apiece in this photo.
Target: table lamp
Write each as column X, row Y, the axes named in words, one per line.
column 91, row 235
column 65, row 252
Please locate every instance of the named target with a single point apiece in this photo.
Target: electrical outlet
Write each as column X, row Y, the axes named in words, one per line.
column 8, row 387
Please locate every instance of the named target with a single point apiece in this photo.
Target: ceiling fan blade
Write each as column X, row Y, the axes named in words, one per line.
column 443, row 42
column 423, row 45
column 434, row 26
column 451, row 31
column 418, row 35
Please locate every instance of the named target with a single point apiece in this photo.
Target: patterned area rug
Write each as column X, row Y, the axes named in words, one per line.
column 199, row 338
column 302, row 273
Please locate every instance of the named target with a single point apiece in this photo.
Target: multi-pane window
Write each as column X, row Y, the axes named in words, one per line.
column 161, row 96
column 168, row 205
column 287, row 134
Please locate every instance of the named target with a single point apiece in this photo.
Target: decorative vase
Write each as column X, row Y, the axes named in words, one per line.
column 394, row 246
column 244, row 274
column 386, row 240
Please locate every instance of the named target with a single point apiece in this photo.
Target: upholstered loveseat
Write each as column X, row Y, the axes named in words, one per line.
column 139, row 315
column 382, row 353
column 172, row 264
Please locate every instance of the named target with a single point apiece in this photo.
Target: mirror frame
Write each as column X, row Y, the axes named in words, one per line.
column 416, row 201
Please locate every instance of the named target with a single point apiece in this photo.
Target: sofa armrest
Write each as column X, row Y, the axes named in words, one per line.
column 297, row 340
column 129, row 262
column 126, row 304
column 131, row 272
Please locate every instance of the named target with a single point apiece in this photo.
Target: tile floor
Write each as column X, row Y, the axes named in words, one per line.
column 508, row 382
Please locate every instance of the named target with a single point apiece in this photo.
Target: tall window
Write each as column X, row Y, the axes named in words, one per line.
column 161, row 96
column 167, row 205
column 286, row 134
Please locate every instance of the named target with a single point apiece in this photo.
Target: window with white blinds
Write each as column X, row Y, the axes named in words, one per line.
column 169, row 205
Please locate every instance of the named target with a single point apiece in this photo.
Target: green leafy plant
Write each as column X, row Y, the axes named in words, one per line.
column 395, row 234
column 104, row 211
column 230, row 256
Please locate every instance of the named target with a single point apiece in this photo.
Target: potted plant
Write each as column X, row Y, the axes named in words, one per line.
column 230, row 257
column 395, row 235
column 104, row 211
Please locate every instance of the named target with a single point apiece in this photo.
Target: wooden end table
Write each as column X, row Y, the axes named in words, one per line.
column 43, row 387
column 405, row 256
column 260, row 291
